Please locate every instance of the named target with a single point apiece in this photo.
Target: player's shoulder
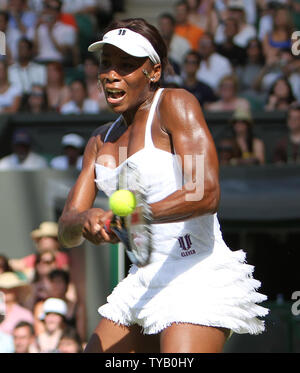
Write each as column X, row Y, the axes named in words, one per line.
column 99, row 134
column 102, row 130
column 174, row 96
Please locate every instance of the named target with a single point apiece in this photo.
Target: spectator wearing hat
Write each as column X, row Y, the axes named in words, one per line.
column 24, row 338
column 53, row 316
column 72, row 145
column 14, row 290
column 236, row 10
column 45, row 239
column 249, row 148
column 80, row 103
column 22, row 157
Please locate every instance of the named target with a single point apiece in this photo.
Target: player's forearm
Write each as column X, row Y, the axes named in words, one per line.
column 70, row 229
column 185, row 204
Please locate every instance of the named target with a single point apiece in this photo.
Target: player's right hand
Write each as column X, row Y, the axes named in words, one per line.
column 93, row 228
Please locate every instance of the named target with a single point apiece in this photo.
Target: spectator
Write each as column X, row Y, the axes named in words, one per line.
column 280, row 36
column 61, row 287
column 287, row 150
column 41, row 286
column 228, row 151
column 3, row 4
column 251, row 148
column 184, row 28
column 280, row 96
column 235, row 54
column 37, row 6
column 253, row 65
column 4, row 264
column 213, row 66
column 69, row 342
column 80, row 103
column 36, row 102
column 267, row 9
column 6, row 340
column 22, row 156
column 79, row 7
column 177, row 45
column 284, row 64
column 10, row 94
column 45, row 239
column 203, row 15
column 229, row 99
column 12, row 37
column 250, row 8
column 58, row 93
column 24, row 72
column 72, row 145
column 24, row 338
column 236, row 10
column 54, row 312
column 199, row 89
column 14, row 289
column 20, row 18
column 54, row 40
column 95, row 91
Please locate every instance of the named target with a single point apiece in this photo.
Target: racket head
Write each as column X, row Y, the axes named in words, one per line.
column 137, row 224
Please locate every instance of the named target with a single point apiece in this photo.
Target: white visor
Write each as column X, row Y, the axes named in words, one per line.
column 130, row 42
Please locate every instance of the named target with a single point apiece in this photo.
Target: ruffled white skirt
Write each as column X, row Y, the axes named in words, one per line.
column 217, row 290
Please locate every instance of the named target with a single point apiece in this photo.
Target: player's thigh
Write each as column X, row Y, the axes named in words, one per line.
column 110, row 337
column 190, row 338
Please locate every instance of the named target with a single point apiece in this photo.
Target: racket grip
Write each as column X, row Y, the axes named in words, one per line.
column 107, row 226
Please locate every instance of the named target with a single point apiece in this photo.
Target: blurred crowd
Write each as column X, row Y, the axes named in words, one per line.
column 41, row 309
column 234, row 55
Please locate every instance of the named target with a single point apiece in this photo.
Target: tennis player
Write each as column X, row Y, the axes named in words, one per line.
column 195, row 291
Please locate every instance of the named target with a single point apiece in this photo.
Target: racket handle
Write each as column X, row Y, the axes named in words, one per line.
column 107, row 226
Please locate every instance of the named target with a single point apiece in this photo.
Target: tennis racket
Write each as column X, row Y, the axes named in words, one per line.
column 134, row 230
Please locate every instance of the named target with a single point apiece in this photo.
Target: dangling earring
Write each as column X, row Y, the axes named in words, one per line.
column 145, row 72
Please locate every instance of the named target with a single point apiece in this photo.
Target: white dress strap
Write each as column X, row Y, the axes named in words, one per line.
column 148, row 136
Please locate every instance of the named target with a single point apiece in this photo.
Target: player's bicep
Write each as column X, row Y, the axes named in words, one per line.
column 191, row 138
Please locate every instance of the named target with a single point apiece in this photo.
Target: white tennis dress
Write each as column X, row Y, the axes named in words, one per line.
column 193, row 276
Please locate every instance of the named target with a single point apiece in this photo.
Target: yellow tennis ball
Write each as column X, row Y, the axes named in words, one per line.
column 122, row 202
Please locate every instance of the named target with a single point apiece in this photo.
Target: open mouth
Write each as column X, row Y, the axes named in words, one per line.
column 114, row 95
